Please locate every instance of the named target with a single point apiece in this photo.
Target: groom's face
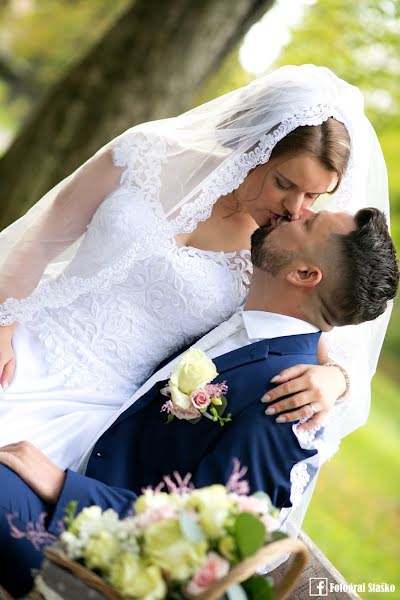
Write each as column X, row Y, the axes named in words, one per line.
column 286, row 241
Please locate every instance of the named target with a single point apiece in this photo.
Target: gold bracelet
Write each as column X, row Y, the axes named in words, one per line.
column 346, row 377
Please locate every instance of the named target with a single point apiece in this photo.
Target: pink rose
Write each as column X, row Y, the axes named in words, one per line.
column 153, row 515
column 185, row 413
column 180, row 413
column 255, row 506
column 200, row 399
column 215, row 567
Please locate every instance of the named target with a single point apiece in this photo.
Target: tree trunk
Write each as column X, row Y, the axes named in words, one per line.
column 149, row 65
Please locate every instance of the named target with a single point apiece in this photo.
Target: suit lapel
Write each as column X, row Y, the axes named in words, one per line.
column 141, row 403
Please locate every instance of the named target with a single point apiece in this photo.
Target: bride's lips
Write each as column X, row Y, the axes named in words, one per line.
column 277, row 220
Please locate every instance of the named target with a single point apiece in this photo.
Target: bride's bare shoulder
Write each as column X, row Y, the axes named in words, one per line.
column 224, row 231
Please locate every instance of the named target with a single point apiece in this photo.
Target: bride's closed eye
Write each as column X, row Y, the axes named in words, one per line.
column 287, row 185
column 281, row 184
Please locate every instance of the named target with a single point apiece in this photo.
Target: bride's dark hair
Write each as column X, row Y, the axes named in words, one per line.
column 329, row 142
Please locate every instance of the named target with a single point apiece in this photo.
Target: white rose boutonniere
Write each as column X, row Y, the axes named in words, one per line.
column 191, row 393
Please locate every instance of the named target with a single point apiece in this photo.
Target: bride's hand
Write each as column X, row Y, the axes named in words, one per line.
column 7, row 358
column 313, row 390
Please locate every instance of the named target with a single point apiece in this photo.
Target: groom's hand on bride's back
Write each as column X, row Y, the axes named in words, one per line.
column 7, row 359
column 42, row 475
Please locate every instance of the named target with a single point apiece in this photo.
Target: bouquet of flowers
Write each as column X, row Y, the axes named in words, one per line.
column 188, row 543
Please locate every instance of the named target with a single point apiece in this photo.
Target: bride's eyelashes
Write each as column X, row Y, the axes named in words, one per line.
column 282, row 185
column 285, row 185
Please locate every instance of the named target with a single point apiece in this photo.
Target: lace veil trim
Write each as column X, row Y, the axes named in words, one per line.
column 229, row 178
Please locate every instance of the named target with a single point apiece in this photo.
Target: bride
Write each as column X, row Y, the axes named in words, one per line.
column 146, row 247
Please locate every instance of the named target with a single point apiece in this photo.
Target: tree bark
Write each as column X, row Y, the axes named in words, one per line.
column 149, row 65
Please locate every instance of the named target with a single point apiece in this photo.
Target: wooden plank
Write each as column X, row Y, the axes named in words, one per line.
column 319, row 567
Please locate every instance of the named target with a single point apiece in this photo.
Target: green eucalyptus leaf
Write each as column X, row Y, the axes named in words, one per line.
column 190, row 529
column 249, row 534
column 265, row 497
column 236, row 592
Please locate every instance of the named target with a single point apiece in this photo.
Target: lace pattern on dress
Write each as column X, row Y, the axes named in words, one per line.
column 113, row 341
column 235, row 261
column 299, row 478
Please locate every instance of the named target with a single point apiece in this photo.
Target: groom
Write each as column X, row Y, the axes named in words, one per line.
column 323, row 270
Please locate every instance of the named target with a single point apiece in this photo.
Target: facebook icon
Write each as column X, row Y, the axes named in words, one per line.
column 318, row 586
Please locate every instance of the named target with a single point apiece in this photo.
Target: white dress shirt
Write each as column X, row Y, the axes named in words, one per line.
column 259, row 325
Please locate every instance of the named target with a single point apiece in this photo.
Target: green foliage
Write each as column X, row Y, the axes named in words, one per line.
column 260, row 588
column 218, row 410
column 360, row 42
column 249, row 533
column 363, row 544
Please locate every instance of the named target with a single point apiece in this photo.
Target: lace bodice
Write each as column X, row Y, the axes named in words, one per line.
column 113, row 338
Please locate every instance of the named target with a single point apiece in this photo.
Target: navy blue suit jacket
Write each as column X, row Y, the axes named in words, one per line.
column 140, row 447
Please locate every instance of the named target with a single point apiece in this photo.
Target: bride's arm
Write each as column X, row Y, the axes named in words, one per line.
column 59, row 225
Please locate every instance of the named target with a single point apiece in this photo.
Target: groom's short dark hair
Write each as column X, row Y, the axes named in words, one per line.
column 363, row 272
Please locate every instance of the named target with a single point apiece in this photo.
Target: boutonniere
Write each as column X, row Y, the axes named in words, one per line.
column 191, row 393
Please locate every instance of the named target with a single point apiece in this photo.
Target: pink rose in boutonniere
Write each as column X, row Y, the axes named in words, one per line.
column 200, row 399
column 191, row 393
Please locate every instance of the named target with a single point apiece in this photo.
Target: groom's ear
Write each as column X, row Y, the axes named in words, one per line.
column 304, row 276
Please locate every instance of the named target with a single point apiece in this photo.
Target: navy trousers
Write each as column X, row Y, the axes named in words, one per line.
column 18, row 556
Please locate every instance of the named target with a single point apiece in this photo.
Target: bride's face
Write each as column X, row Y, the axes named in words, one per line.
column 285, row 186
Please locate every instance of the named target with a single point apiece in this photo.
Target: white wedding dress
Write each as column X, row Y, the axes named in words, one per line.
column 77, row 364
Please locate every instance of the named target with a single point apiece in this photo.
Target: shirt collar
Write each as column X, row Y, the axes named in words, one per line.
column 266, row 325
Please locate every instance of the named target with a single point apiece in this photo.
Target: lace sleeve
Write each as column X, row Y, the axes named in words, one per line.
column 142, row 152
column 122, row 148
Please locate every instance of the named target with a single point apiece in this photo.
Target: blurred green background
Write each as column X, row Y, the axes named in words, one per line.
column 354, row 515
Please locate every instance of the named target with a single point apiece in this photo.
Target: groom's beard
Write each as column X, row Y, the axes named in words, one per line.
column 266, row 255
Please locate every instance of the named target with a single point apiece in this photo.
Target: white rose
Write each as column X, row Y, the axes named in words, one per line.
column 213, row 506
column 194, row 370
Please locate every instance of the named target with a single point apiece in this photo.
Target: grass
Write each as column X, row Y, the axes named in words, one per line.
column 354, row 516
